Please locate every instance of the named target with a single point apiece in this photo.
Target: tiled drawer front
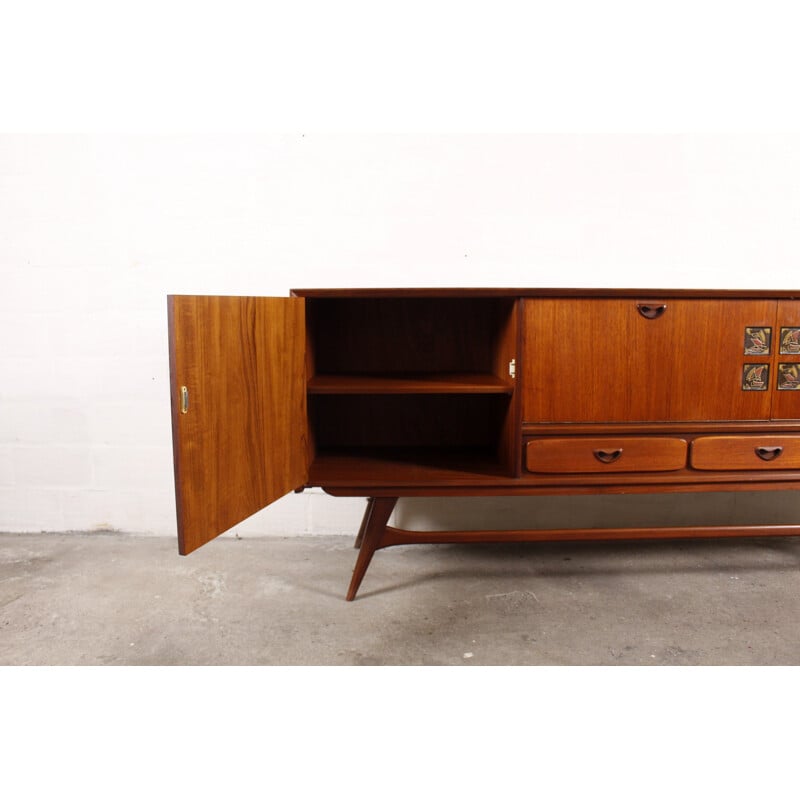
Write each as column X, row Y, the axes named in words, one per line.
column 745, row 452
column 609, row 454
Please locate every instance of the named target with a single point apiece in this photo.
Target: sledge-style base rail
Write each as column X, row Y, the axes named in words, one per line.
column 375, row 534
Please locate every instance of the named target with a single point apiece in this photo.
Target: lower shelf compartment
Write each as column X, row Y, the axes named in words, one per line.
column 406, row 467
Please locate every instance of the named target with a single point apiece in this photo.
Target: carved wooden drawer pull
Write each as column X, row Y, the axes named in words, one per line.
column 768, row 453
column 651, row 312
column 607, row 456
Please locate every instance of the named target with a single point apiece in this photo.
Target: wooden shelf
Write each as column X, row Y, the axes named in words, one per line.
column 411, row 383
column 406, row 467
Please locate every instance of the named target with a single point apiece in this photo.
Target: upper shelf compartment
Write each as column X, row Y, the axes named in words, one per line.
column 411, row 345
column 410, row 383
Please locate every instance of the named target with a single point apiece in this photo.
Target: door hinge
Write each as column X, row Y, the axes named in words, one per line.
column 512, row 368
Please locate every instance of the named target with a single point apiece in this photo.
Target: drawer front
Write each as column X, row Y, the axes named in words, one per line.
column 616, row 454
column 745, row 452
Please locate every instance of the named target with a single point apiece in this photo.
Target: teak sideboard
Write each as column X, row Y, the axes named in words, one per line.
column 384, row 394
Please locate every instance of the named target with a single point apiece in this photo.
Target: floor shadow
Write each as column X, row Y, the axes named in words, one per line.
column 577, row 559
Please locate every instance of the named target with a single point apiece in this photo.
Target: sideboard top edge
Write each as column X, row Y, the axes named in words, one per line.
column 782, row 294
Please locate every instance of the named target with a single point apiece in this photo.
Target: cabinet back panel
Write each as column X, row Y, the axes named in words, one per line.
column 408, row 420
column 401, row 335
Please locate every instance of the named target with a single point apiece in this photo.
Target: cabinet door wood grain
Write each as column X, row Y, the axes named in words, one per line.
column 640, row 360
column 239, row 420
column 786, row 381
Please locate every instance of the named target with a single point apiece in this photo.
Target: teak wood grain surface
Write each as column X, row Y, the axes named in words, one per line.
column 746, row 452
column 242, row 442
column 602, row 360
column 618, row 454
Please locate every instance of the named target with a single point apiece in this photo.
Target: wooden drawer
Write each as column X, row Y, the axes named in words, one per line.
column 745, row 452
column 616, row 454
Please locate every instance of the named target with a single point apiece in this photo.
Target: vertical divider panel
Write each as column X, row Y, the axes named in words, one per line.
column 507, row 350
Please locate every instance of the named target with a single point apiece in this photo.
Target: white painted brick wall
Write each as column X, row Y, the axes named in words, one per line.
column 96, row 231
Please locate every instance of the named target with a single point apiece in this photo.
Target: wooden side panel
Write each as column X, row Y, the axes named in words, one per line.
column 786, row 400
column 602, row 360
column 243, row 441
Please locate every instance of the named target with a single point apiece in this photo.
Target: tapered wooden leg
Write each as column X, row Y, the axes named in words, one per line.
column 379, row 513
column 364, row 522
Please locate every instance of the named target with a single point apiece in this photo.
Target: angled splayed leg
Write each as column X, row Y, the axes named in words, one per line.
column 364, row 522
column 379, row 513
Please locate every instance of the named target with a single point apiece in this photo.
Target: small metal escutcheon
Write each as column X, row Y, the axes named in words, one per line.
column 184, row 399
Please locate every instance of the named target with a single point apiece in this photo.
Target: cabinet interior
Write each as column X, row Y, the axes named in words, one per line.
column 422, row 381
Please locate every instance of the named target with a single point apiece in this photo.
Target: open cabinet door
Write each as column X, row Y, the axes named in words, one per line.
column 239, row 423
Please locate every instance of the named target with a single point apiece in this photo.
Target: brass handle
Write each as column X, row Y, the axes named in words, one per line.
column 651, row 312
column 768, row 453
column 607, row 456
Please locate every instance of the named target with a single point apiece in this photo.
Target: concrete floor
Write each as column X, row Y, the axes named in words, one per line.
column 123, row 599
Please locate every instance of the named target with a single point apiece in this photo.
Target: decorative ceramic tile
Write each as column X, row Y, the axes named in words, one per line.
column 790, row 342
column 789, row 377
column 755, row 377
column 757, row 341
